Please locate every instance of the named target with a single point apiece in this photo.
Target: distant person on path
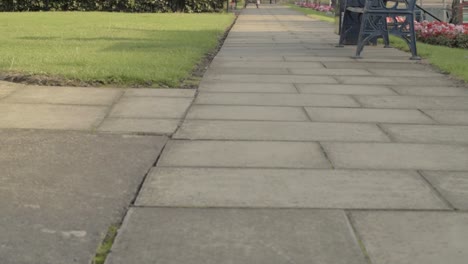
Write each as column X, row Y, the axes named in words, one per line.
column 257, row 3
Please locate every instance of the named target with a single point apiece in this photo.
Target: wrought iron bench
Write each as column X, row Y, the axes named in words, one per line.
column 373, row 23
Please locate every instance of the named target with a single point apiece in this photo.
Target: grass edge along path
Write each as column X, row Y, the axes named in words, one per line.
column 452, row 61
column 107, row 49
column 313, row 13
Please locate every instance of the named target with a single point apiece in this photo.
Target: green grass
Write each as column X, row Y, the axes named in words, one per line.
column 448, row 60
column 106, row 245
column 313, row 13
column 109, row 48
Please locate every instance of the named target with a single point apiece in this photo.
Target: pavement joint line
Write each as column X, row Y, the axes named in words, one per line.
column 390, row 87
column 325, row 154
column 296, row 87
column 387, row 133
column 429, row 116
column 109, row 110
column 300, row 208
column 357, row 236
column 355, row 100
column 184, row 116
column 434, row 189
column 303, row 105
column 61, row 104
column 307, row 114
column 303, row 141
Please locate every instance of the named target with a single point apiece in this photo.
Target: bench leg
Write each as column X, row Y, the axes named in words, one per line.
column 414, row 51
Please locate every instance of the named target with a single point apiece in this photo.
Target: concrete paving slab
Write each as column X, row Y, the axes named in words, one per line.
column 318, row 58
column 345, row 89
column 151, row 107
column 65, row 95
column 234, row 112
column 265, row 78
column 360, row 115
column 213, row 236
column 44, row 116
column 425, row 81
column 204, row 187
column 7, row 88
column 170, row 92
column 431, row 91
column 397, row 156
column 282, row 131
column 414, row 102
column 449, row 116
column 248, row 154
column 129, row 125
column 275, row 99
column 273, row 64
column 254, row 71
column 405, row 73
column 252, row 58
column 452, row 185
column 60, row 191
column 373, row 65
column 331, row 72
column 363, row 80
column 428, row 133
column 222, row 87
column 389, row 237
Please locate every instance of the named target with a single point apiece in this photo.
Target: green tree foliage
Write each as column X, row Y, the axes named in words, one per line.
column 113, row 5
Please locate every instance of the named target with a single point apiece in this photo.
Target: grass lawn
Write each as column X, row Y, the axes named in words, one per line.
column 110, row 48
column 448, row 60
column 313, row 13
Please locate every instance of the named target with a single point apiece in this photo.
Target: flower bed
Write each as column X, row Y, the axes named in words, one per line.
column 442, row 33
column 318, row 7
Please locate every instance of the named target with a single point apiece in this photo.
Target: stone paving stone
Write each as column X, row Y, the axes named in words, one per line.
column 365, row 80
column 203, row 187
column 220, row 87
column 317, row 58
column 151, row 107
column 331, row 72
column 65, row 95
column 283, row 131
column 7, row 88
column 345, row 89
column 232, row 112
column 367, row 115
column 414, row 102
column 256, row 71
column 273, row 64
column 431, row 91
column 452, row 185
column 405, row 73
column 156, row 126
column 275, row 99
column 373, row 65
column 428, row 133
column 397, row 156
column 60, row 191
column 414, row 237
column 43, row 116
column 449, row 117
column 424, row 81
column 252, row 58
column 150, row 92
column 243, row 154
column 239, row 78
column 236, row 236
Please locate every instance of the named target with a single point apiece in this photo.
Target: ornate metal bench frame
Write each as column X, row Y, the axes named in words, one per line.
column 374, row 23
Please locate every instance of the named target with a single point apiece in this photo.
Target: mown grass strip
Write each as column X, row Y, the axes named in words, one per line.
column 122, row 49
column 106, row 245
column 313, row 13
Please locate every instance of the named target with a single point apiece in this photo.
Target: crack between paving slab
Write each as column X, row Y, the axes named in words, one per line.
column 357, row 236
column 381, row 128
column 325, row 154
column 434, row 189
column 110, row 108
column 296, row 87
column 356, row 101
column 430, row 117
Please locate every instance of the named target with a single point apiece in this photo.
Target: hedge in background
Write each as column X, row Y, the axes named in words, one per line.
column 113, row 5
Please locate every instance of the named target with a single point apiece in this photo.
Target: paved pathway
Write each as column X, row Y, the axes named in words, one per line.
column 295, row 153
